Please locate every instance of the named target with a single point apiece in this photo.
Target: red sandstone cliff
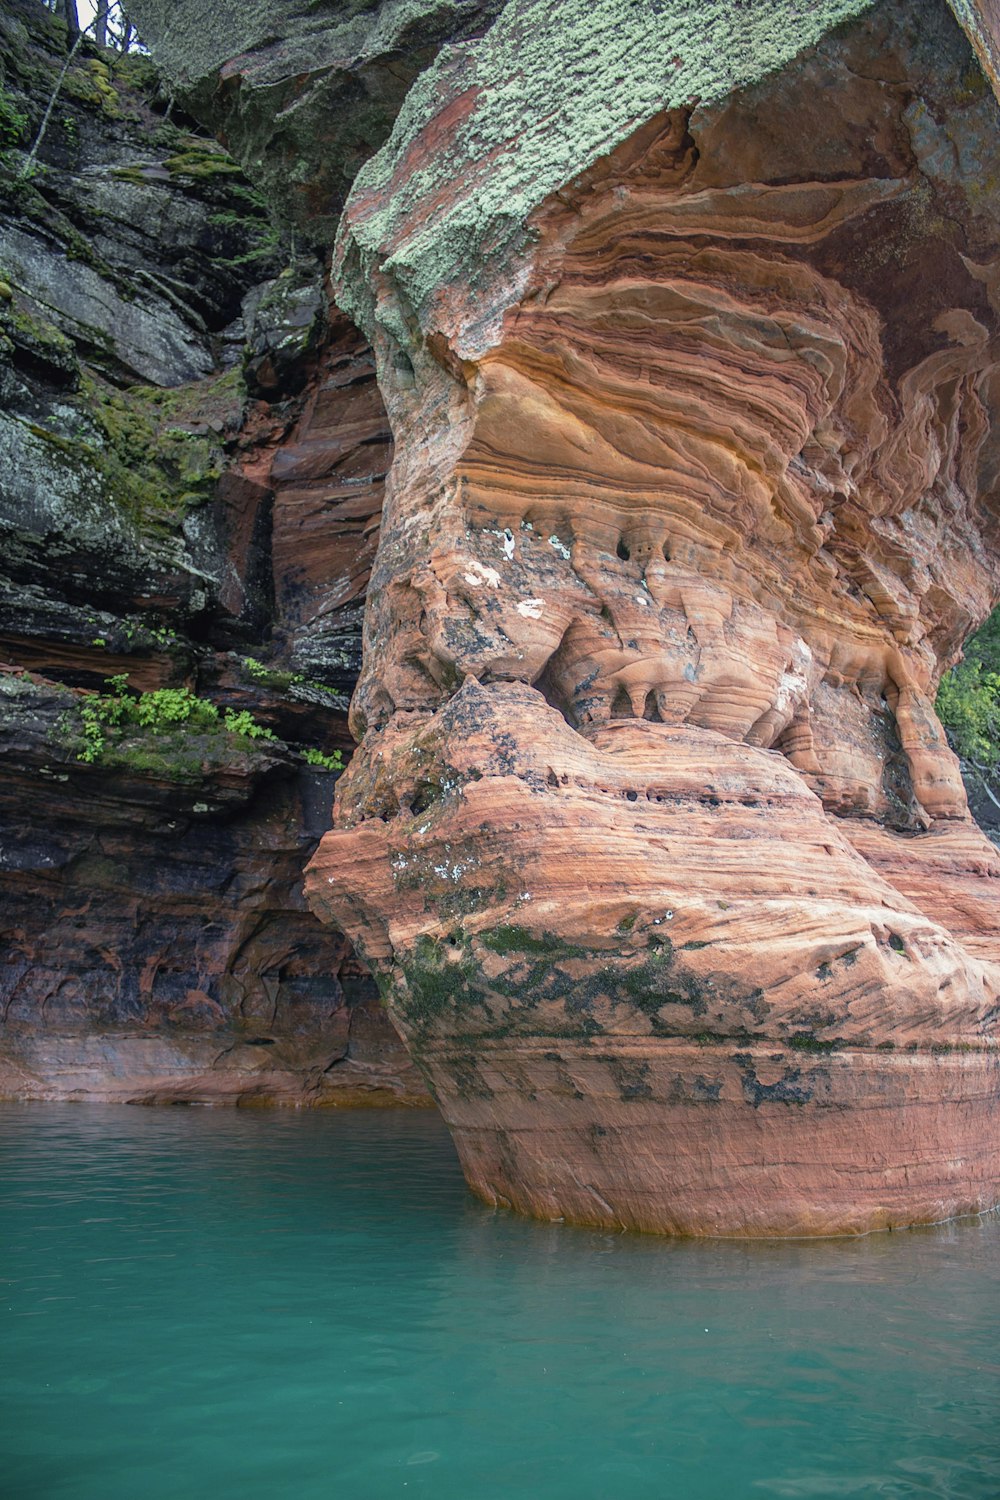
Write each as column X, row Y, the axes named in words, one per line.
column 689, row 344
column 686, row 327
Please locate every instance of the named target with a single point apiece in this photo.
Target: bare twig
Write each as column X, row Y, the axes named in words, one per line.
column 29, row 164
column 99, row 25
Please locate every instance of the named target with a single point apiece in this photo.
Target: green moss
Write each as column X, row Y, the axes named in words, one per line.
column 89, row 82
column 136, row 70
column 435, row 978
column 135, row 174
column 154, row 468
column 514, row 939
column 258, row 671
column 38, row 338
column 200, row 161
column 805, row 1041
column 173, row 758
column 644, row 983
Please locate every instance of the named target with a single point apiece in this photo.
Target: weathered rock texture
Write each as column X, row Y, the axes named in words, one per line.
column 686, row 321
column 190, row 483
column 301, row 93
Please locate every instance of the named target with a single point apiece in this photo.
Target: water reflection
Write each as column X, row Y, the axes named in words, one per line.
column 201, row 1302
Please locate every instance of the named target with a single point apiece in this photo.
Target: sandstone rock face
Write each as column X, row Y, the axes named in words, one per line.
column 302, row 94
column 690, row 347
column 157, row 946
column 192, row 450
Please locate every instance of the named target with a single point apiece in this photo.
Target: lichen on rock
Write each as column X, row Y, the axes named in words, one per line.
column 688, row 341
column 159, row 797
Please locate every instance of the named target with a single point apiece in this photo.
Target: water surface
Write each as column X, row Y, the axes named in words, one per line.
column 197, row 1305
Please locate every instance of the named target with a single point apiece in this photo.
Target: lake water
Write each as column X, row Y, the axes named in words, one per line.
column 198, row 1305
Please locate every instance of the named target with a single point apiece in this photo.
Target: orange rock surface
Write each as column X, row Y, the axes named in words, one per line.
column 654, row 837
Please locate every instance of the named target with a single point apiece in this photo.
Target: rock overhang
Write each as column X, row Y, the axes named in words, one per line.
column 691, row 369
column 685, row 319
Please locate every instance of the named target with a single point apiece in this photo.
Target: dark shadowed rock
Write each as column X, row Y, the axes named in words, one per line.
column 155, row 941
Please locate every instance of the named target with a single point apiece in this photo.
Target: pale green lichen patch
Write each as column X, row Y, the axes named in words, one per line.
column 552, row 87
column 977, row 27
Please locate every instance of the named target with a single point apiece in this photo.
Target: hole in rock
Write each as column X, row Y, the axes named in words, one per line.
column 554, row 696
column 632, row 796
column 621, row 708
column 666, row 551
column 551, row 779
column 652, row 709
column 623, row 551
column 425, row 795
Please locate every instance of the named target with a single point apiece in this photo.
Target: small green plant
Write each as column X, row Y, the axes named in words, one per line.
column 13, row 123
column 265, row 238
column 159, row 710
column 333, row 762
column 270, row 677
column 968, row 700
column 244, row 723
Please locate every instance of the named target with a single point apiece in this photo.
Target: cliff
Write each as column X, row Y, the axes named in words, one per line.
column 684, row 324
column 687, row 331
column 192, row 449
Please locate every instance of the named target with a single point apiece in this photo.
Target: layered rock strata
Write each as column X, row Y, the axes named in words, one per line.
column 687, row 329
column 192, row 450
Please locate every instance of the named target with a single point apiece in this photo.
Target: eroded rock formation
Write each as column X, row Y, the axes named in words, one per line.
column 687, row 329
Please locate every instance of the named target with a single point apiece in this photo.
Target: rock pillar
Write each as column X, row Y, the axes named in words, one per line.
column 687, row 328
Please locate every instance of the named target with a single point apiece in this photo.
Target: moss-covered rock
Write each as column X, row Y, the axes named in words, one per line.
column 307, row 99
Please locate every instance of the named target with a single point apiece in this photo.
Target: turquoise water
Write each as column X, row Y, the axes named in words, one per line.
column 207, row 1304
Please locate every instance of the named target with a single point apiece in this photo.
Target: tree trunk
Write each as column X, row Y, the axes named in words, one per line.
column 67, row 10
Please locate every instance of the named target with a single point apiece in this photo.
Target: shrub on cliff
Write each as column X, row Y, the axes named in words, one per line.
column 160, row 710
column 168, row 719
column 968, row 699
